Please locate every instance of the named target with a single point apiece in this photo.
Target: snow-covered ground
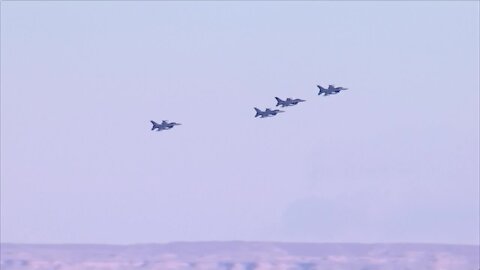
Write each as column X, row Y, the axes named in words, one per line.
column 241, row 256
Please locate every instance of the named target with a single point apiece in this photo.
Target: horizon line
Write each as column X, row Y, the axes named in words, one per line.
column 237, row 242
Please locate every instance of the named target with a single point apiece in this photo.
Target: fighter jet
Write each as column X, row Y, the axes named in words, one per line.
column 288, row 102
column 268, row 112
column 331, row 90
column 164, row 125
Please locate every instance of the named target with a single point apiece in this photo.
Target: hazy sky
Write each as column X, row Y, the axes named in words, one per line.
column 393, row 159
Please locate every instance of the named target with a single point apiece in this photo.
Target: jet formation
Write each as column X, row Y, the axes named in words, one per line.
column 331, row 90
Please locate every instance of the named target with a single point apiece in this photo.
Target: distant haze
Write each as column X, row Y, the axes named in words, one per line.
column 393, row 159
column 240, row 256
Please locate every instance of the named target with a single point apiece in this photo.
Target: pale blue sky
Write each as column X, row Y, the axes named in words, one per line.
column 393, row 159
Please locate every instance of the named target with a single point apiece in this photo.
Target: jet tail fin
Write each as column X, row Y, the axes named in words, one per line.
column 279, row 101
column 322, row 90
column 154, row 124
column 258, row 111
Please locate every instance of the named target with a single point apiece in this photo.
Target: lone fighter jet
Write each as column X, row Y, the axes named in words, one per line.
column 288, row 102
column 331, row 90
column 164, row 125
column 268, row 112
